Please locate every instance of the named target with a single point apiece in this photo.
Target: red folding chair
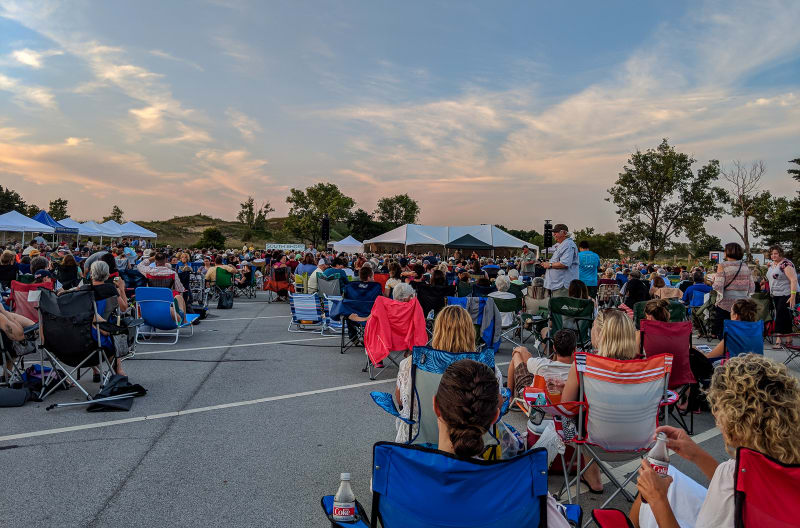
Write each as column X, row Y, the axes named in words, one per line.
column 660, row 337
column 766, row 491
column 611, row 518
column 381, row 278
column 19, row 299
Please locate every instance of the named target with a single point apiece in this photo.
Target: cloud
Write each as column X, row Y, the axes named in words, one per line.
column 188, row 134
column 76, row 141
column 166, row 56
column 25, row 95
column 246, row 125
column 33, row 58
column 237, row 50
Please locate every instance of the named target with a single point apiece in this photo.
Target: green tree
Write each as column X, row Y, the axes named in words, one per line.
column 795, row 172
column 247, row 213
column 116, row 215
column 606, row 245
column 363, row 226
column 211, row 238
column 58, row 208
column 777, row 220
column 397, row 210
column 32, row 210
column 744, row 182
column 10, row 200
column 260, row 223
column 307, row 207
column 659, row 198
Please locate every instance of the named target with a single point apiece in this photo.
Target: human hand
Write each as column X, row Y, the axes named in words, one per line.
column 652, row 486
column 679, row 441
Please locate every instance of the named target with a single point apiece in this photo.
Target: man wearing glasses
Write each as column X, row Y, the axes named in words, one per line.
column 563, row 265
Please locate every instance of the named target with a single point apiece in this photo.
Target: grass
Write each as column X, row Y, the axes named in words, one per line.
column 183, row 231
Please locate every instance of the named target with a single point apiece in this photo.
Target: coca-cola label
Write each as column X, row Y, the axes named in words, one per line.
column 344, row 511
column 659, row 466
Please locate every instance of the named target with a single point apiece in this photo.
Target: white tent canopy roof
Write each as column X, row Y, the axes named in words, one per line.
column 134, row 229
column 412, row 234
column 17, row 222
column 92, row 228
column 348, row 245
column 112, row 228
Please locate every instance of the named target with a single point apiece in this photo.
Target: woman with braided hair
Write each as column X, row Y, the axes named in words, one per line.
column 467, row 404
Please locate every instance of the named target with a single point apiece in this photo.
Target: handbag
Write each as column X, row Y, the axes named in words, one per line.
column 225, row 301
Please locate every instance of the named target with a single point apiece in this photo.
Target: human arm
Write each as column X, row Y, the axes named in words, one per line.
column 122, row 297
column 144, row 266
column 683, row 445
column 572, row 386
column 717, row 351
column 653, row 489
column 791, row 274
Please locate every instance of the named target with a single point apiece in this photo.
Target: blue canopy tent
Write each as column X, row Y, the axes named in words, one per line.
column 58, row 228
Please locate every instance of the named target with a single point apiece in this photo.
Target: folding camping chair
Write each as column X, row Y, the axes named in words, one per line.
column 357, row 299
column 381, row 279
column 248, row 287
column 426, row 488
column 24, row 298
column 765, row 491
column 703, row 315
column 765, row 312
column 608, row 295
column 697, row 300
column 153, row 306
column 573, row 314
column 13, row 354
column 432, row 299
column 307, row 311
column 300, row 282
column 277, row 282
column 742, row 337
column 403, row 322
column 482, row 291
column 70, row 340
column 673, row 338
column 463, row 289
column 329, row 286
column 677, row 312
column 512, row 306
column 489, row 337
column 611, row 518
column 622, row 402
column 223, row 282
column 427, row 367
column 335, row 325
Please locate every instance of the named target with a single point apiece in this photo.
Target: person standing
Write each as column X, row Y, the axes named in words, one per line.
column 733, row 281
column 588, row 263
column 563, row 265
column 527, row 262
column 782, row 278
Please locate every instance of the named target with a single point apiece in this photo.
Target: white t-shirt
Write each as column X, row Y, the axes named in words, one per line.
column 547, row 368
column 718, row 508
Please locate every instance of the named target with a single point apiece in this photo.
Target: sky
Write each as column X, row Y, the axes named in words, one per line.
column 484, row 112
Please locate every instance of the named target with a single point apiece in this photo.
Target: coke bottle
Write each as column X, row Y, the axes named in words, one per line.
column 344, row 502
column 658, row 457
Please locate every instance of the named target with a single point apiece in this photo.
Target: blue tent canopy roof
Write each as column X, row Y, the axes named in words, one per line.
column 48, row 220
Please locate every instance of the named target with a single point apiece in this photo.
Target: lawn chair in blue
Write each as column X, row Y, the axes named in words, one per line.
column 308, row 315
column 426, row 488
column 482, row 291
column 331, row 324
column 357, row 300
column 742, row 337
column 153, row 306
column 488, row 335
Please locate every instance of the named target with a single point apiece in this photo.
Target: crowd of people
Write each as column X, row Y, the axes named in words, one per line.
column 755, row 401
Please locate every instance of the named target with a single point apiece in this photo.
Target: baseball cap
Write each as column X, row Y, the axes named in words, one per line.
column 322, row 262
column 43, row 273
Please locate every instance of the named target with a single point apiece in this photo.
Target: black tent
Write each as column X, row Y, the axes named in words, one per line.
column 467, row 242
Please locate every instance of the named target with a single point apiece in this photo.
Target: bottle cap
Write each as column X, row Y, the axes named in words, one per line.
column 345, row 476
column 662, row 437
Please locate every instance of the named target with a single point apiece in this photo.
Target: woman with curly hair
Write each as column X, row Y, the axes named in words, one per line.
column 756, row 404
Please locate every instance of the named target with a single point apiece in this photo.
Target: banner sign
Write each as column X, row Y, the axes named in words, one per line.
column 286, row 247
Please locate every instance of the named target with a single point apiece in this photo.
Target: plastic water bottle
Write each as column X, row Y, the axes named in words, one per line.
column 658, row 457
column 344, row 502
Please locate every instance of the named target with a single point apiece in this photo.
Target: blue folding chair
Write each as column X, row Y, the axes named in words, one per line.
column 426, row 488
column 330, row 306
column 357, row 299
column 427, row 367
column 698, row 299
column 153, row 306
column 742, row 337
column 308, row 315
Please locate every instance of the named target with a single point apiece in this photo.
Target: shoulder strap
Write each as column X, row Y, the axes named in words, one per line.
column 734, row 277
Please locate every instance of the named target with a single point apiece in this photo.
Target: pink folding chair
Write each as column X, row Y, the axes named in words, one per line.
column 19, row 299
column 611, row 518
column 766, row 491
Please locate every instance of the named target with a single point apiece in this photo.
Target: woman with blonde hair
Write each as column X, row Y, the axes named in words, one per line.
column 453, row 332
column 756, row 404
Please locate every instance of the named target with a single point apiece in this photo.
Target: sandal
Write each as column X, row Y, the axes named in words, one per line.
column 592, row 491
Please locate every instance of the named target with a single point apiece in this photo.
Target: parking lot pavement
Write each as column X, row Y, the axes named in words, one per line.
column 244, row 424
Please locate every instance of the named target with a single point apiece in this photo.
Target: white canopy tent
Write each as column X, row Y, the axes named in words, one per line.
column 348, row 245
column 413, row 234
column 134, row 229
column 17, row 222
column 82, row 230
column 112, row 229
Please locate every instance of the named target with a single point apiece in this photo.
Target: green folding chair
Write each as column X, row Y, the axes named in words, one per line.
column 573, row 314
column 677, row 312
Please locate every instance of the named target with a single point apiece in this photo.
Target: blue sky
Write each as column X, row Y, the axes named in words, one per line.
column 497, row 113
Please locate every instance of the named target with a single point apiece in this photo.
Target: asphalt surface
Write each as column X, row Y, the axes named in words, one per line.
column 244, row 424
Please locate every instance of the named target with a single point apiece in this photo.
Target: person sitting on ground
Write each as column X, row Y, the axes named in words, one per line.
column 394, row 278
column 524, row 366
column 756, row 404
column 161, row 270
column 466, row 406
column 698, row 286
column 742, row 310
column 617, row 340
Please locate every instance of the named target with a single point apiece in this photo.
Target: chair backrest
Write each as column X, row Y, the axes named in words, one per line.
column 573, row 314
column 327, row 306
column 306, row 308
column 743, row 337
column 623, row 399
column 279, row 274
column 764, row 303
column 427, row 367
column 65, row 328
column 765, row 491
column 163, row 281
column 611, row 518
column 432, row 297
column 8, row 273
column 482, row 291
column 25, row 278
column 659, row 337
column 516, row 289
column 360, row 296
column 19, row 298
column 381, row 279
column 154, row 307
column 668, row 292
column 677, row 312
column 606, row 291
column 224, row 278
column 329, row 285
column 508, row 305
column 426, row 488
column 463, row 289
column 698, row 298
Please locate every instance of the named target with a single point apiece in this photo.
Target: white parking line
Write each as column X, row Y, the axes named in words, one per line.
column 97, row 425
column 214, row 319
column 239, row 345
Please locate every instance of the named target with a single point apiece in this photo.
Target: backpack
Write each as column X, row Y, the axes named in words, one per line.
column 225, row 300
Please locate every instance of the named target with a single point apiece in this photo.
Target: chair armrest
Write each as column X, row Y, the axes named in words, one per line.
column 385, row 401
column 362, row 520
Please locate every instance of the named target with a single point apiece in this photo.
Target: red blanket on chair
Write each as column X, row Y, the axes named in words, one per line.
column 393, row 326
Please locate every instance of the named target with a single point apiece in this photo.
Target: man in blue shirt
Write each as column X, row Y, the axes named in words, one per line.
column 698, row 286
column 588, row 263
column 563, row 265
